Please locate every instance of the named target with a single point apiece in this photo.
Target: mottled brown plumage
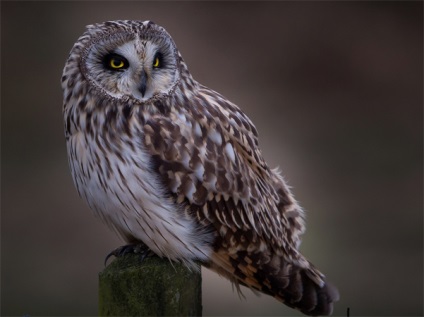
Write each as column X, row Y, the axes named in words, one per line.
column 171, row 163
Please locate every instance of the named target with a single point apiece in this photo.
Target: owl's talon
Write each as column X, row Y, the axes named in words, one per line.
column 139, row 248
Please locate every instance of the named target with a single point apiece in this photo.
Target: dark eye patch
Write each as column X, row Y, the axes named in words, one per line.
column 158, row 61
column 115, row 62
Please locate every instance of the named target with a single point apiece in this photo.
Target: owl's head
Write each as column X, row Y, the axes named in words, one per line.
column 127, row 58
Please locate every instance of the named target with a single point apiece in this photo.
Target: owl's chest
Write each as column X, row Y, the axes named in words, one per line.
column 100, row 163
column 108, row 174
column 114, row 180
column 123, row 191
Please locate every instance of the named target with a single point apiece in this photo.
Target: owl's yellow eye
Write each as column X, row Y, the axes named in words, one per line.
column 115, row 62
column 158, row 60
column 156, row 63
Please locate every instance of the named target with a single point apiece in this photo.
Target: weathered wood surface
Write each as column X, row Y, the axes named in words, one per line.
column 153, row 287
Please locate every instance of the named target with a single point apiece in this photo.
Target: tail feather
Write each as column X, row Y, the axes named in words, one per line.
column 304, row 294
column 304, row 289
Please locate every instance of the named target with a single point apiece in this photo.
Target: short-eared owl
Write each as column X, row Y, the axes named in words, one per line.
column 174, row 165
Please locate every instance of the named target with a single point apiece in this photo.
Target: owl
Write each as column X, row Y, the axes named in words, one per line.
column 175, row 166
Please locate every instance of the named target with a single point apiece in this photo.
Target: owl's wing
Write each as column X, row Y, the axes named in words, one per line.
column 206, row 151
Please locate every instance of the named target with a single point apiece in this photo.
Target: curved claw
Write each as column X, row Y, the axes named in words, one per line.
column 113, row 252
column 140, row 248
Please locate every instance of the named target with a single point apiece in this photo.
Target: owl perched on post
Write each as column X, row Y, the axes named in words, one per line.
column 174, row 165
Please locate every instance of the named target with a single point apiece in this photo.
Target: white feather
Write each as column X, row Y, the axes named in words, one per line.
column 215, row 137
column 230, row 152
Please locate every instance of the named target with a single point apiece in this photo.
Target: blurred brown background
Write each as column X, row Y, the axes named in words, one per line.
column 335, row 90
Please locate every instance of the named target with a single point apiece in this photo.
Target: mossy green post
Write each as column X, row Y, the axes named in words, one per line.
column 153, row 287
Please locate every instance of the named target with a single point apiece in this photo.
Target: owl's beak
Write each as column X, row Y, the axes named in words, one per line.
column 143, row 83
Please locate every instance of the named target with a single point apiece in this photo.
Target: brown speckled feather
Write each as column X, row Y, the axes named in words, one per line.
column 208, row 156
column 207, row 153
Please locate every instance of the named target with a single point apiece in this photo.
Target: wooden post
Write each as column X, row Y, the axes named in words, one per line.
column 153, row 287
